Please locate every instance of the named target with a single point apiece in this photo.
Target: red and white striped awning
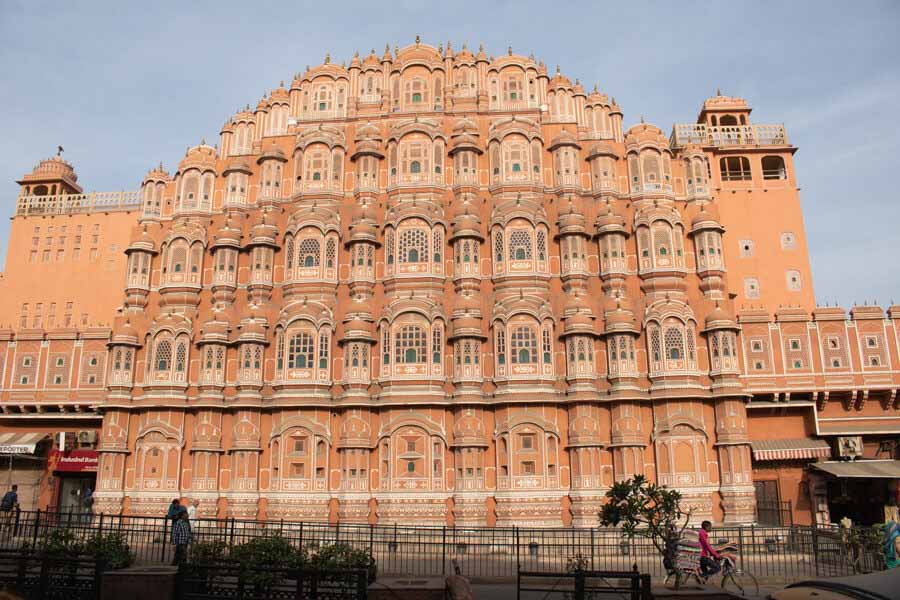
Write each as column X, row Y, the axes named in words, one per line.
column 790, row 449
column 20, row 443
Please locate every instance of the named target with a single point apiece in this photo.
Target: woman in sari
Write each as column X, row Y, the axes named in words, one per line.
column 891, row 544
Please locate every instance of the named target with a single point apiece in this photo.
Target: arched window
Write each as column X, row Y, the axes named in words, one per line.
column 773, row 167
column 413, row 246
column 501, row 344
column 300, row 351
column 163, row 357
column 415, row 167
column 309, row 252
column 409, row 345
column 520, row 244
column 735, row 168
column 523, row 344
column 180, row 357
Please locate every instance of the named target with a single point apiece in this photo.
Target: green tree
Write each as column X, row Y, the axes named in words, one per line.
column 644, row 509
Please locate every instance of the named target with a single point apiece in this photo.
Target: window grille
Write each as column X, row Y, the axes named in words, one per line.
column 300, row 351
column 520, row 245
column 323, row 350
column 163, row 356
column 523, row 345
column 308, row 254
column 410, row 345
column 413, row 246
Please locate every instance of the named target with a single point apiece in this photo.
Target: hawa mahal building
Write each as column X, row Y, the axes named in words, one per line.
column 439, row 287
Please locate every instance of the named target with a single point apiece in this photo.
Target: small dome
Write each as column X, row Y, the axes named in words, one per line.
column 371, row 60
column 707, row 218
column 368, row 131
column 571, row 219
column 125, row 334
column 718, row 318
column 560, row 80
column 215, row 331
column 55, row 166
column 237, row 164
column 464, row 141
column 466, row 222
column 465, row 125
column 157, row 174
column 563, row 138
column 227, row 236
column 579, row 89
column 645, row 134
column 602, row 149
column 263, row 233
column 280, row 94
column 620, row 320
column 262, row 105
column 610, row 221
column 271, row 153
column 141, row 241
column 578, row 316
column 362, row 227
column 200, row 157
column 252, row 329
column 358, row 328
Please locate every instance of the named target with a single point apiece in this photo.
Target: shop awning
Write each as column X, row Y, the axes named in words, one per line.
column 20, row 443
column 871, row 469
column 790, row 449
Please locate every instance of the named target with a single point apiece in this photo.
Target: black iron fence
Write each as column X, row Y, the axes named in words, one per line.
column 782, row 553
column 228, row 580
column 36, row 577
column 580, row 585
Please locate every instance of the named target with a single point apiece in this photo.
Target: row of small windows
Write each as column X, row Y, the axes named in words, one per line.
column 737, row 168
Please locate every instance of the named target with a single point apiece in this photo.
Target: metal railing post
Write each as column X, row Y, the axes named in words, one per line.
column 815, row 546
column 165, row 536
column 741, row 546
column 37, row 525
column 444, row 550
column 100, row 526
column 516, row 541
column 579, row 584
column 592, row 549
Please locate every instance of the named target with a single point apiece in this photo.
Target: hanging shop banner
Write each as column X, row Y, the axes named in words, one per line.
column 74, row 461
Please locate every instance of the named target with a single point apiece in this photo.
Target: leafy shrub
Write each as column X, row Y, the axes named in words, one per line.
column 208, row 552
column 341, row 557
column 273, row 552
column 110, row 549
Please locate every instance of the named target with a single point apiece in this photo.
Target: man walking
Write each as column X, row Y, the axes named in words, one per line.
column 175, row 510
column 181, row 537
column 8, row 504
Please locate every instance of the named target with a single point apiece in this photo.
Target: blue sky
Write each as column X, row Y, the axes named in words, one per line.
column 125, row 85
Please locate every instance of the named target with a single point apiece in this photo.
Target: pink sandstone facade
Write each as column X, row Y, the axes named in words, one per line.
column 438, row 287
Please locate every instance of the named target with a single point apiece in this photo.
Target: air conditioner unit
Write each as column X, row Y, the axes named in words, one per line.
column 87, row 437
column 850, row 446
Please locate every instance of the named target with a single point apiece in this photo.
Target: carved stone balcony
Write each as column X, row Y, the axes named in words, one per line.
column 728, row 135
column 67, row 204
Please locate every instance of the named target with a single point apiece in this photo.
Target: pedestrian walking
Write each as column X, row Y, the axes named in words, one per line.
column 181, row 537
column 193, row 516
column 175, row 509
column 87, row 505
column 9, row 504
